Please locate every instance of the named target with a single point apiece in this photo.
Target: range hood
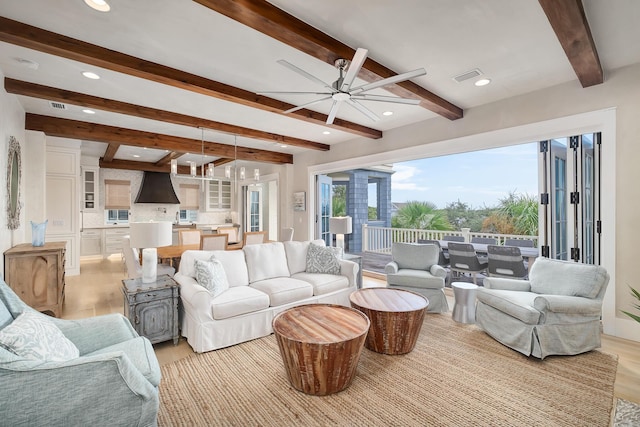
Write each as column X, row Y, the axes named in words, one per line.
column 156, row 187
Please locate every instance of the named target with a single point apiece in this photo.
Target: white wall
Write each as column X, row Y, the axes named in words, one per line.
column 12, row 118
column 620, row 91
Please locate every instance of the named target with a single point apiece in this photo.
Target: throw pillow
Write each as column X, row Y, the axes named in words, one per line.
column 338, row 252
column 210, row 274
column 321, row 259
column 34, row 337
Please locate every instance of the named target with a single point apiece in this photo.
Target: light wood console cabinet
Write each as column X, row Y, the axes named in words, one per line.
column 36, row 275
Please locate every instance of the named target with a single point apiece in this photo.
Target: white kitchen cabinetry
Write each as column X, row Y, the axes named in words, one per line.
column 90, row 186
column 91, row 242
column 218, row 195
column 113, row 240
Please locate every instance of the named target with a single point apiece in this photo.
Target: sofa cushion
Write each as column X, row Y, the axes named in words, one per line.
column 266, row 261
column 233, row 262
column 283, row 290
column 415, row 279
column 323, row 283
column 210, row 275
column 515, row 304
column 415, row 256
column 5, row 315
column 322, row 260
column 32, row 336
column 140, row 352
column 238, row 300
column 297, row 254
column 554, row 277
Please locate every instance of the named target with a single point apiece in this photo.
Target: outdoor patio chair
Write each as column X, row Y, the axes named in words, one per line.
column 443, row 259
column 521, row 243
column 506, row 261
column 451, row 238
column 484, row 240
column 463, row 259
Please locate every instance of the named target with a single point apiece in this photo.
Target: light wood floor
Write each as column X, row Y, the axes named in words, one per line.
column 97, row 290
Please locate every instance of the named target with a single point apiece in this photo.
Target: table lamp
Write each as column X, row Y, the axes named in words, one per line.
column 149, row 236
column 340, row 225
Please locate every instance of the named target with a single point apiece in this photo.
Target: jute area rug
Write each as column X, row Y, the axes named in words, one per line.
column 456, row 376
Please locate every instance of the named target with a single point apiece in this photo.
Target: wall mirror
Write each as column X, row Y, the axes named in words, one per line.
column 14, row 172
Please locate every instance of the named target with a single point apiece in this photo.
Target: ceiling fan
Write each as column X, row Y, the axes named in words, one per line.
column 341, row 91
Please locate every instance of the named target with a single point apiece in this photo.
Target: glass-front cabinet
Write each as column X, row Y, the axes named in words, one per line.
column 90, row 187
column 219, row 195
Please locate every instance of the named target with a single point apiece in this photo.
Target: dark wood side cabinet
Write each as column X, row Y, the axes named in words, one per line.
column 152, row 308
column 36, row 274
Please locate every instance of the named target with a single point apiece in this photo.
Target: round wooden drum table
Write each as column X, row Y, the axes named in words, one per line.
column 396, row 318
column 320, row 345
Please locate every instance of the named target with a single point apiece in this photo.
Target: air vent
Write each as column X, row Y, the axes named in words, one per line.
column 468, row 75
column 57, row 105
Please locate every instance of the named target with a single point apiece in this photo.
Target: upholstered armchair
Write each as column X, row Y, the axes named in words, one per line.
column 112, row 379
column 414, row 267
column 556, row 312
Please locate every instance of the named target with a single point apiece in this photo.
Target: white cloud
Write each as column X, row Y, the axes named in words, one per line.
column 406, row 178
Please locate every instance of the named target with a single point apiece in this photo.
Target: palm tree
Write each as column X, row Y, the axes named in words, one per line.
column 420, row 215
column 516, row 214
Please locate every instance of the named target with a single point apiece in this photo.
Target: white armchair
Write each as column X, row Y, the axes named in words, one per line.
column 556, row 312
column 414, row 267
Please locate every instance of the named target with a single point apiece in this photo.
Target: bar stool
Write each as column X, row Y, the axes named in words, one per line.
column 464, row 308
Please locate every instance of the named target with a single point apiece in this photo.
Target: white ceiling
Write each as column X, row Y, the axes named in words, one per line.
column 510, row 41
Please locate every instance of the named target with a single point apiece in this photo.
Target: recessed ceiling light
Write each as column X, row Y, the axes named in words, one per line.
column 90, row 75
column 283, row 145
column 388, row 113
column 86, row 110
column 326, row 132
column 99, row 5
column 136, row 155
column 482, row 82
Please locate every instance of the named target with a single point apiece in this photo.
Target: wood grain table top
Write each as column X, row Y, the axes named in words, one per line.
column 385, row 299
column 321, row 323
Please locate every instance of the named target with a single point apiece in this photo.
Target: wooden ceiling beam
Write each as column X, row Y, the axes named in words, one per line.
column 66, row 128
column 278, row 24
column 222, row 161
column 18, row 87
column 24, row 35
column 167, row 159
column 110, row 152
column 140, row 166
column 569, row 22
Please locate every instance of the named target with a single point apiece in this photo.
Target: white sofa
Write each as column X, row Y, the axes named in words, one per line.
column 264, row 280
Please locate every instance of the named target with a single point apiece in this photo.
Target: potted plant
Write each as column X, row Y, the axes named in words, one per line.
column 636, row 295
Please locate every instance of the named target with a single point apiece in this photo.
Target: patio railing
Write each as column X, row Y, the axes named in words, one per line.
column 379, row 239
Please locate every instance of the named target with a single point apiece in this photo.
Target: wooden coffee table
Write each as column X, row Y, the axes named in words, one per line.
column 396, row 318
column 320, row 345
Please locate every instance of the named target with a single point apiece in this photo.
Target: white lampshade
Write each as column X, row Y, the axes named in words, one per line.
column 340, row 225
column 150, row 235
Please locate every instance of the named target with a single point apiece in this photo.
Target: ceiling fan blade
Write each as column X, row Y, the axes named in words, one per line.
column 303, row 73
column 365, row 97
column 292, row 93
column 300, row 107
column 389, row 80
column 354, row 68
column 333, row 112
column 364, row 110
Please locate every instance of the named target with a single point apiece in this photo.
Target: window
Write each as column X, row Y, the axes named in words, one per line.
column 373, row 199
column 188, row 215
column 117, row 200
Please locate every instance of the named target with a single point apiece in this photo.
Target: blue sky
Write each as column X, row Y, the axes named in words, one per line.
column 479, row 178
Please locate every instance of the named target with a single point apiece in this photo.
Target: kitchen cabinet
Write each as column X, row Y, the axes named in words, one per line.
column 90, row 187
column 91, row 242
column 218, row 195
column 36, row 275
column 113, row 240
